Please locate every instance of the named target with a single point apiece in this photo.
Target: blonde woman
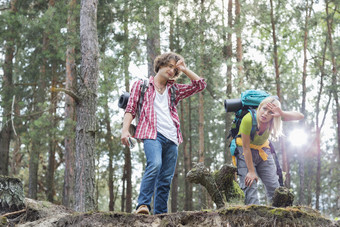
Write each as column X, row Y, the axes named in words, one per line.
column 254, row 159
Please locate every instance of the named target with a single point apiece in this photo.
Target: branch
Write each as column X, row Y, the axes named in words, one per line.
column 12, row 116
column 68, row 92
column 16, row 212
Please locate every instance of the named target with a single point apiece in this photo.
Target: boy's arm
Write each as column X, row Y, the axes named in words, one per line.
column 125, row 130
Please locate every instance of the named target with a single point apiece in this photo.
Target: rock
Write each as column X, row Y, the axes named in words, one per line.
column 282, row 197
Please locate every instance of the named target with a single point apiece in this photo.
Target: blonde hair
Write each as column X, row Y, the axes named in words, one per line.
column 275, row 125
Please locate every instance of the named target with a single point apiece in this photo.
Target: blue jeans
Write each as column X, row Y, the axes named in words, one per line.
column 161, row 158
column 265, row 170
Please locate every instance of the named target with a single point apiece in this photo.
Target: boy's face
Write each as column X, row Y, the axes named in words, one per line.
column 168, row 71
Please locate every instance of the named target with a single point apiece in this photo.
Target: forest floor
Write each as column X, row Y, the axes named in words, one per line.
column 45, row 214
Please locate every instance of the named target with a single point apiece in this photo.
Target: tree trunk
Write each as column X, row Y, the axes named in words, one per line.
column 229, row 54
column 276, row 60
column 128, row 197
column 153, row 34
column 127, row 79
column 50, row 192
column 303, row 104
column 318, row 128
column 7, row 90
column 36, row 143
column 239, row 49
column 334, row 83
column 334, row 73
column 122, row 209
column 186, row 156
column 174, row 191
column 86, row 108
column 109, row 142
column 201, row 97
column 70, row 115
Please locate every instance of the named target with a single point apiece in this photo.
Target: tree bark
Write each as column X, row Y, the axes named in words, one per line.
column 228, row 57
column 109, row 142
column 239, row 49
column 276, row 59
column 86, row 108
column 70, row 114
column 127, row 86
column 50, row 192
column 174, row 191
column 187, row 158
column 153, row 34
column 36, row 143
column 201, row 97
column 334, row 81
column 7, row 86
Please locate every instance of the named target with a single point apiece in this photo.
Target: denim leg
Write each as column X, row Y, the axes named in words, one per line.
column 267, row 172
column 169, row 159
column 153, row 153
column 250, row 193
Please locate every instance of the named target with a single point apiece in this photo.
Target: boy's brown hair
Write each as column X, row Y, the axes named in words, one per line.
column 164, row 59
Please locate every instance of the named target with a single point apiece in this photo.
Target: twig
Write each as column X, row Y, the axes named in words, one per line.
column 15, row 212
column 12, row 116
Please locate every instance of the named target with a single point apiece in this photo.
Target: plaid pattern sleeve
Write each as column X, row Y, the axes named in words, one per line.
column 187, row 90
column 131, row 106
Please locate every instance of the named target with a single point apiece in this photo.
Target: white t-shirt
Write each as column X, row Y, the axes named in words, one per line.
column 165, row 124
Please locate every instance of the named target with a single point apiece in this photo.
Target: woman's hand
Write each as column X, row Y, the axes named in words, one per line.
column 276, row 111
column 250, row 177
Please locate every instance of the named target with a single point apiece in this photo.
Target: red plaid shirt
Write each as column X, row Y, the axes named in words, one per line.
column 147, row 126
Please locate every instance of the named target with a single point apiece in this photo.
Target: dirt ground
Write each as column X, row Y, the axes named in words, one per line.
column 44, row 214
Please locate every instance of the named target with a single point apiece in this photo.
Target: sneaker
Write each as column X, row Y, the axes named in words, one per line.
column 143, row 209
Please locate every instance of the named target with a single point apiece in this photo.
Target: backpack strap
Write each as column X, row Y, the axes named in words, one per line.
column 143, row 88
column 253, row 124
column 173, row 95
column 278, row 167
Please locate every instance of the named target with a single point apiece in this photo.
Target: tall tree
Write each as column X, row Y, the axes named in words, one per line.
column 86, row 108
column 70, row 114
column 39, row 97
column 228, row 54
column 153, row 33
column 318, row 126
column 201, row 98
column 239, row 48
column 329, row 20
column 127, row 153
column 7, row 86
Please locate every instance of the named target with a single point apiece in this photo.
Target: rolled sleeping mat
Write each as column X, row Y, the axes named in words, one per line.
column 123, row 100
column 232, row 105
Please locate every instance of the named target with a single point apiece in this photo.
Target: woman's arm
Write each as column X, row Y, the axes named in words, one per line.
column 285, row 115
column 251, row 175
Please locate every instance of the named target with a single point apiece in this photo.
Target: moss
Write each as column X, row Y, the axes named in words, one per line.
column 46, row 204
column 3, row 221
